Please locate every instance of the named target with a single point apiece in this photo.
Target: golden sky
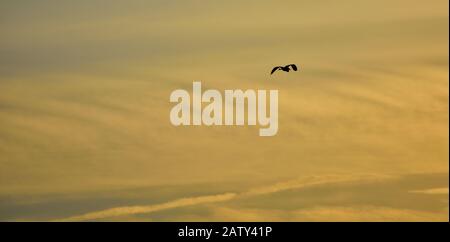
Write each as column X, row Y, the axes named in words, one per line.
column 84, row 110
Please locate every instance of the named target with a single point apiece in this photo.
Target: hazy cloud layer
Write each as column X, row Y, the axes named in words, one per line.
column 84, row 104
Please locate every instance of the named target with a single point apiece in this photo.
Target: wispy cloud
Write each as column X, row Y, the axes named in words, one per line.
column 130, row 210
column 184, row 202
column 316, row 181
column 433, row 191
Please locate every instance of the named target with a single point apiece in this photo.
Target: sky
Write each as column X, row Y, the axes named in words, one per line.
column 85, row 132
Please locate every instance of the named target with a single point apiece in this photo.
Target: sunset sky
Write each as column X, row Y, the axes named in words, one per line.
column 84, row 110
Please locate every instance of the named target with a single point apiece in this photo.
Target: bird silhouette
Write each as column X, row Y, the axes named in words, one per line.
column 284, row 68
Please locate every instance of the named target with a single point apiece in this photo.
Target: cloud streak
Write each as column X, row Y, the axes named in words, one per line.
column 184, row 202
column 317, row 181
column 433, row 191
column 131, row 210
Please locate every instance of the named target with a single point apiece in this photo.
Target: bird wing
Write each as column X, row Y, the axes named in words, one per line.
column 274, row 69
column 294, row 67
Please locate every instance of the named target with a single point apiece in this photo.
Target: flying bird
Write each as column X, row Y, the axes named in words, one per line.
column 284, row 68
